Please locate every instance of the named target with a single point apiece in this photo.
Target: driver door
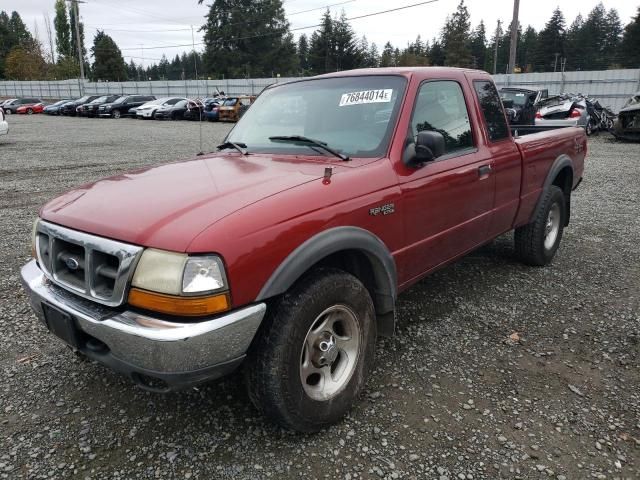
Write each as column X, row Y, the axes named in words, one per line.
column 448, row 201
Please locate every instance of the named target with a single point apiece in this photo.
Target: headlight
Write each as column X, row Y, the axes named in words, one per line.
column 179, row 284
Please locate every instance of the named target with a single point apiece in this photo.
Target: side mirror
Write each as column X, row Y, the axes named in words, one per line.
column 428, row 146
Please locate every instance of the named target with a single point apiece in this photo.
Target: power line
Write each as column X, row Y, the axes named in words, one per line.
column 382, row 12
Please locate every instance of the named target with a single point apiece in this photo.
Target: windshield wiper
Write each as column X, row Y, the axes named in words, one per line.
column 241, row 147
column 309, row 141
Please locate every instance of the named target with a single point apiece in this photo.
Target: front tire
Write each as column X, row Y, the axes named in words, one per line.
column 537, row 242
column 311, row 357
column 116, row 114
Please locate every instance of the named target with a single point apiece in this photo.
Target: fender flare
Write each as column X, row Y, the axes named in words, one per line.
column 332, row 241
column 561, row 162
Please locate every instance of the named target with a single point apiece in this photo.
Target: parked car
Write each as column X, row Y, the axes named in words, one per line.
column 54, row 108
column 70, row 108
column 91, row 109
column 4, row 126
column 7, row 101
column 30, row 108
column 627, row 125
column 562, row 111
column 147, row 111
column 12, row 106
column 173, row 112
column 121, row 106
column 286, row 250
column 211, row 109
column 233, row 108
column 522, row 102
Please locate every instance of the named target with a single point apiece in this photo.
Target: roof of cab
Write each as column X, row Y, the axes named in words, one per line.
column 406, row 71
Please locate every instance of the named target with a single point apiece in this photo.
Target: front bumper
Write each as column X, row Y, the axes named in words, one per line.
column 157, row 354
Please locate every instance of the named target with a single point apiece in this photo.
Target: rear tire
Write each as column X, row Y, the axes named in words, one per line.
column 537, row 242
column 29, row 111
column 311, row 357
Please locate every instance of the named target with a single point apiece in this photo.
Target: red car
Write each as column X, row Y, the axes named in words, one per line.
column 285, row 251
column 31, row 108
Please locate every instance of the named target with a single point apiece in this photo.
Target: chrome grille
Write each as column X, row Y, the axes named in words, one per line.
column 93, row 267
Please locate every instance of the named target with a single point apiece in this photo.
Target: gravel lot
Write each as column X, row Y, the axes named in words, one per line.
column 498, row 370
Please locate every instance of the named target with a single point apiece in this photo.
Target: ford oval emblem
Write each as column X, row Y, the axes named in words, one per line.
column 72, row 263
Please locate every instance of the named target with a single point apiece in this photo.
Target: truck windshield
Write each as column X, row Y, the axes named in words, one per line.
column 353, row 115
column 519, row 98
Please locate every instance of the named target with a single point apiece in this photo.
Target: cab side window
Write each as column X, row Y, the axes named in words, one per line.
column 440, row 107
column 494, row 119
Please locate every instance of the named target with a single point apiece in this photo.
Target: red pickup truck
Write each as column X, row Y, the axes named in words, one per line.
column 285, row 251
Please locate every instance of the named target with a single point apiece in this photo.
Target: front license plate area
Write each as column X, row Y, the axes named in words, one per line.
column 61, row 325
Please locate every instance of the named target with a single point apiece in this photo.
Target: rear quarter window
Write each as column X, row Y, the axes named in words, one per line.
column 491, row 106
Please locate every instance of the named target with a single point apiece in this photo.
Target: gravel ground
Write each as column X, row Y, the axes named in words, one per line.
column 498, row 370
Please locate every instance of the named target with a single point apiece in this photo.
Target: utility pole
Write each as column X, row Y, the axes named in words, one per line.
column 555, row 63
column 514, row 36
column 74, row 4
column 495, row 51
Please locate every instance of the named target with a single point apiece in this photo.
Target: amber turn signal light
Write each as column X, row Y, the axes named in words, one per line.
column 174, row 305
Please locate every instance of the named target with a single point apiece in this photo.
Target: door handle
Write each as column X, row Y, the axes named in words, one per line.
column 484, row 171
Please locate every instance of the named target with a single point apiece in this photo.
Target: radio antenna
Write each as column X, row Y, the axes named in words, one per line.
column 199, row 102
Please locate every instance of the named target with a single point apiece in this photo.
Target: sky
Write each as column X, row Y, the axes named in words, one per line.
column 145, row 29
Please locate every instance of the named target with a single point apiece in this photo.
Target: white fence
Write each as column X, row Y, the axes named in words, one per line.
column 611, row 87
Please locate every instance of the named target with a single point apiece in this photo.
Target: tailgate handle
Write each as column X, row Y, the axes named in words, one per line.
column 484, row 170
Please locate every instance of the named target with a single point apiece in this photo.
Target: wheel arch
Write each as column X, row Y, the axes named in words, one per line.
column 560, row 175
column 352, row 249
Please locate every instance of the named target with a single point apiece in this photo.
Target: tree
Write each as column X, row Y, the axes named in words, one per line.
column 527, row 48
column 612, row 37
column 550, row 48
column 388, row 57
column 346, row 51
column 478, row 46
column 63, row 30
column 630, row 45
column 455, row 38
column 248, row 38
column 303, row 53
column 108, row 64
column 436, row 53
column 72, row 29
column 26, row 62
column 321, row 58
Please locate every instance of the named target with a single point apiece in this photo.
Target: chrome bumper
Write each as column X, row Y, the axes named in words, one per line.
column 150, row 350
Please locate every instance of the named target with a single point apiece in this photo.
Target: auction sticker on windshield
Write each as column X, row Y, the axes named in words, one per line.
column 366, row 96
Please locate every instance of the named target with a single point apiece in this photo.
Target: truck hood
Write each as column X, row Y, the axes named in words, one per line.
column 167, row 206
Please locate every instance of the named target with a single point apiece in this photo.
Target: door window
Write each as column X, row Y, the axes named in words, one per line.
column 440, row 107
column 491, row 106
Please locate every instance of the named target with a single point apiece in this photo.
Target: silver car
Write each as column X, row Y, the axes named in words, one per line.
column 564, row 110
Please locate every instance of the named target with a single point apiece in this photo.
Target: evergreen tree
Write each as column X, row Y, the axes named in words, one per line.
column 612, row 38
column 455, row 38
column 630, row 45
column 478, row 46
column 74, row 43
column 436, row 53
column 321, row 51
column 13, row 33
column 108, row 64
column 527, row 48
column 25, row 61
column 373, row 56
column 551, row 44
column 303, row 53
column 63, row 30
column 248, row 38
column 347, row 53
column 388, row 57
